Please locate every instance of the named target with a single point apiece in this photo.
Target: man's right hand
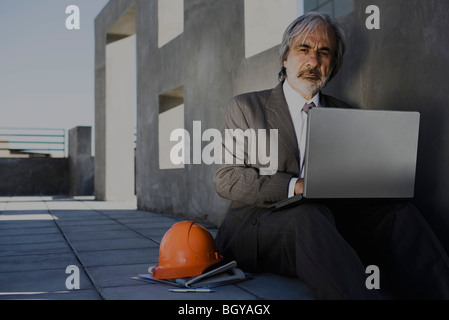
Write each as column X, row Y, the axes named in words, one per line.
column 299, row 186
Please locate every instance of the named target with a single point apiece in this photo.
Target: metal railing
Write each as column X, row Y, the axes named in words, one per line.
column 34, row 141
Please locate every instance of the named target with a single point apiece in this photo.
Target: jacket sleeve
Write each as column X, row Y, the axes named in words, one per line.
column 242, row 181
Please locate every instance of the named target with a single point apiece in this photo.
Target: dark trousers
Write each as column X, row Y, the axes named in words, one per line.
column 328, row 245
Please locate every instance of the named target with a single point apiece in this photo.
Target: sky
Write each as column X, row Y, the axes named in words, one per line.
column 47, row 70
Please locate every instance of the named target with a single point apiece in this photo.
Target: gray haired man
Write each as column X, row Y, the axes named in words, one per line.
column 327, row 244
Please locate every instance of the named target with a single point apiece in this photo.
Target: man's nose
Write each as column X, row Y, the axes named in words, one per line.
column 313, row 60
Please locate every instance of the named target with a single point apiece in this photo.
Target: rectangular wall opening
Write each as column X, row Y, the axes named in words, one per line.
column 265, row 23
column 334, row 8
column 170, row 20
column 171, row 117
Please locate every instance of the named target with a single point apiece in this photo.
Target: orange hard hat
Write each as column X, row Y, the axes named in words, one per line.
column 186, row 250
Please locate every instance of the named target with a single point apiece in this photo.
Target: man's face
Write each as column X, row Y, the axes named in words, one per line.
column 309, row 62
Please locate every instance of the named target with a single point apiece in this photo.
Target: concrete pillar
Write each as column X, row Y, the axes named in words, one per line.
column 114, row 137
column 81, row 165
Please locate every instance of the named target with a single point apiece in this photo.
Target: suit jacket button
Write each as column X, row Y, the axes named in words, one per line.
column 254, row 222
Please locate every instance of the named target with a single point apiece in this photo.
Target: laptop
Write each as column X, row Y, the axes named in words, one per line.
column 359, row 154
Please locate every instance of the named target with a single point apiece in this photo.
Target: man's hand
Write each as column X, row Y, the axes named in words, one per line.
column 299, row 186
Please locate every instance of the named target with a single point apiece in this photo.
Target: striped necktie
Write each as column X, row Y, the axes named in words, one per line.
column 307, row 106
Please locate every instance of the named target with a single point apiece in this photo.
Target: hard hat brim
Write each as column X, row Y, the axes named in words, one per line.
column 163, row 272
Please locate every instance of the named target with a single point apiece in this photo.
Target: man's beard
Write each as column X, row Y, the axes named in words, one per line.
column 309, row 85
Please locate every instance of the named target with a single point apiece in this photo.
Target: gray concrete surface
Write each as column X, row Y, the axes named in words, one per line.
column 34, row 176
column 109, row 242
column 398, row 67
column 208, row 60
column 393, row 69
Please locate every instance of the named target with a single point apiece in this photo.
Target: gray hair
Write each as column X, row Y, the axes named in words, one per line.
column 305, row 25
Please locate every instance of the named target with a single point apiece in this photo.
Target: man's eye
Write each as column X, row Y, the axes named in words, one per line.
column 324, row 53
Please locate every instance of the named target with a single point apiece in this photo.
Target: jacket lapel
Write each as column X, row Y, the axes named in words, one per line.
column 278, row 117
column 324, row 100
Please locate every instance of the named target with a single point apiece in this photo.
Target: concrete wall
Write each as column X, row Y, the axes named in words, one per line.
column 402, row 66
column 208, row 59
column 51, row 176
column 34, row 176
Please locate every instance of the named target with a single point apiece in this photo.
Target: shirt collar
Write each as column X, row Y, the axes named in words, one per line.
column 295, row 101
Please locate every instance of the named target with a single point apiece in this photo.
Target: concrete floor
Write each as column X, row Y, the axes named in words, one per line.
column 109, row 243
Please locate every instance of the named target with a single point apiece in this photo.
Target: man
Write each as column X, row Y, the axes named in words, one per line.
column 326, row 244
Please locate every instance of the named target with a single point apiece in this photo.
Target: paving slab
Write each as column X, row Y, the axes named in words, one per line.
column 32, row 205
column 118, row 257
column 89, row 222
column 274, row 287
column 93, row 228
column 113, row 244
column 39, row 281
column 93, row 235
column 155, row 234
column 55, row 295
column 62, row 206
column 33, row 262
column 117, row 276
column 110, row 243
column 29, row 231
column 28, row 216
column 138, row 224
column 130, row 214
column 35, row 248
column 23, row 225
column 110, row 205
column 149, row 291
column 31, row 239
column 70, row 215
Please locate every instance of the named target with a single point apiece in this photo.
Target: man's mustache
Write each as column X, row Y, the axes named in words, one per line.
column 315, row 72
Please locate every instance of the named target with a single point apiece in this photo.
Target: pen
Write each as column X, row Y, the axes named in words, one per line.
column 192, row 290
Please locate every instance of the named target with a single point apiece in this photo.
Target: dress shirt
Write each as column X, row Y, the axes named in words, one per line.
column 295, row 103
